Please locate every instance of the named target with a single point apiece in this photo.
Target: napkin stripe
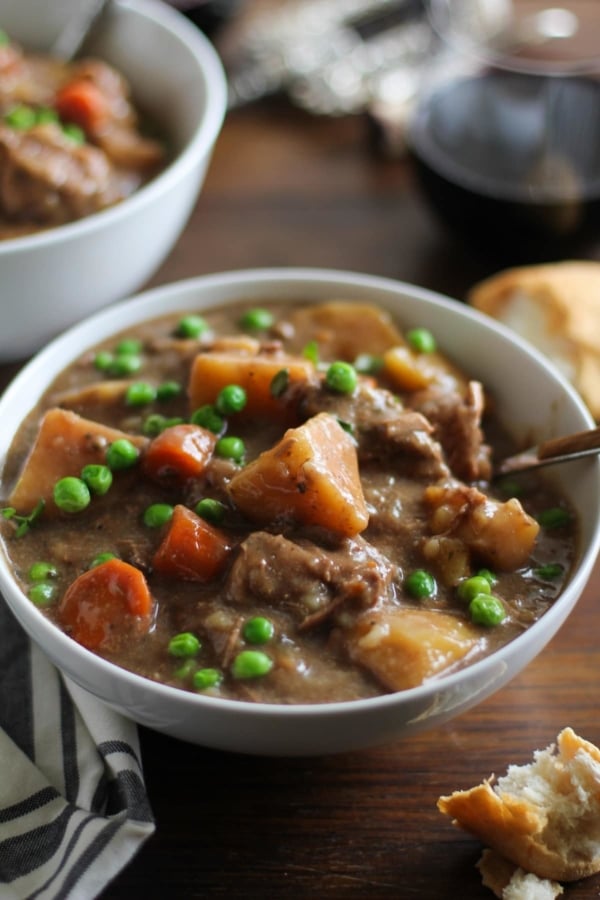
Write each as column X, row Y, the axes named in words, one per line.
column 69, row 744
column 73, row 806
column 29, row 805
column 75, row 868
column 16, row 714
column 87, row 858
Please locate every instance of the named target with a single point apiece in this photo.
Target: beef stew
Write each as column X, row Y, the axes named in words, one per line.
column 288, row 503
column 71, row 140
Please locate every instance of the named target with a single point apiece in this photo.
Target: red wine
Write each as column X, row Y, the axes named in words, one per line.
column 514, row 176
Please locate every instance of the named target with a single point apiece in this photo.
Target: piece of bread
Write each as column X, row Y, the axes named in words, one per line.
column 545, row 816
column 510, row 882
column 555, row 306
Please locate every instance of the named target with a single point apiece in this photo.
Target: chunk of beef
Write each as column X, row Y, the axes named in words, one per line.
column 309, row 580
column 456, row 420
column 47, row 179
column 384, row 430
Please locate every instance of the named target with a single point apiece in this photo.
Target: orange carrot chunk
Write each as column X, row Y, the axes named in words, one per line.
column 178, row 453
column 83, row 103
column 106, row 605
column 192, row 549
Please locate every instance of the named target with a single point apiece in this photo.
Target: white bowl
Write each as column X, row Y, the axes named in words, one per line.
column 533, row 398
column 52, row 279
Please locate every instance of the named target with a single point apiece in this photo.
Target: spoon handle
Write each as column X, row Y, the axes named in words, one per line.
column 570, row 443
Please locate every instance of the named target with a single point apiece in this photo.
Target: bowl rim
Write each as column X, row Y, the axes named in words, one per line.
column 198, row 146
column 173, row 297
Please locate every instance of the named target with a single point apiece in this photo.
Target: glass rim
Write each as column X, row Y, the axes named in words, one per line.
column 447, row 21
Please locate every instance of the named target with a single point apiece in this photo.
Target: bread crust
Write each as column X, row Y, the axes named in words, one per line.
column 566, row 296
column 514, row 825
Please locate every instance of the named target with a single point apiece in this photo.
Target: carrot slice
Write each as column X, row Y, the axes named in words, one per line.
column 83, row 103
column 192, row 549
column 178, row 453
column 106, row 605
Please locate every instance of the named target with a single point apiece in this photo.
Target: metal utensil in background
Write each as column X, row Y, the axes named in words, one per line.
column 326, row 55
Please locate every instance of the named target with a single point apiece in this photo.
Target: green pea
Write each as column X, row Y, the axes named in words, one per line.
column 20, row 117
column 97, row 477
column 121, row 454
column 103, row 360
column 555, row 517
column 549, row 572
column 140, row 393
column 368, row 363
column 4, row 38
column 420, row 584
column 186, row 669
column 486, row 609
column 40, row 571
column 124, row 364
column 45, row 115
column 341, row 377
column 208, row 417
column 472, row 586
column 154, row 424
column 251, row 664
column 130, row 346
column 157, row 514
column 421, row 340
column 210, row 510
column 42, row 593
column 184, row 645
column 102, row 558
column 258, row 630
column 230, row 399
column 257, row 320
column 231, row 448
column 71, row 494
column 488, row 575
column 510, row 487
column 204, row 679
column 74, row 133
column 191, row 327
column 168, row 390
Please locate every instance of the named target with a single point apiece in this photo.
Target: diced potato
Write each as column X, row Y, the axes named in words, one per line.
column 65, row 443
column 410, row 371
column 502, row 534
column 405, row 647
column 344, row 330
column 109, row 392
column 213, row 371
column 449, row 557
column 311, row 474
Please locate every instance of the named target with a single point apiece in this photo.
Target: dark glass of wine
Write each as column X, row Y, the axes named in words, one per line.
column 505, row 134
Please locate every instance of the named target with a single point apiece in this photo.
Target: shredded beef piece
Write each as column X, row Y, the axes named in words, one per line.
column 384, row 430
column 308, row 580
column 45, row 179
column 456, row 421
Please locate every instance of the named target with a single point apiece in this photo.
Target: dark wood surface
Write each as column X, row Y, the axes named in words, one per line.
column 287, row 189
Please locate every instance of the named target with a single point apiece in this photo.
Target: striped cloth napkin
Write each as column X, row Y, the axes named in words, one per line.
column 73, row 805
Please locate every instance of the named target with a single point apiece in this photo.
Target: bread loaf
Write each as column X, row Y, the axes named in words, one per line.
column 544, row 817
column 555, row 306
column 510, row 882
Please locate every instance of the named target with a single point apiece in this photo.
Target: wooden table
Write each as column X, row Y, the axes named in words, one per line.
column 288, row 189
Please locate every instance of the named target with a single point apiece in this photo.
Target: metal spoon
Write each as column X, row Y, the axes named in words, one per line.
column 78, row 28
column 552, row 451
